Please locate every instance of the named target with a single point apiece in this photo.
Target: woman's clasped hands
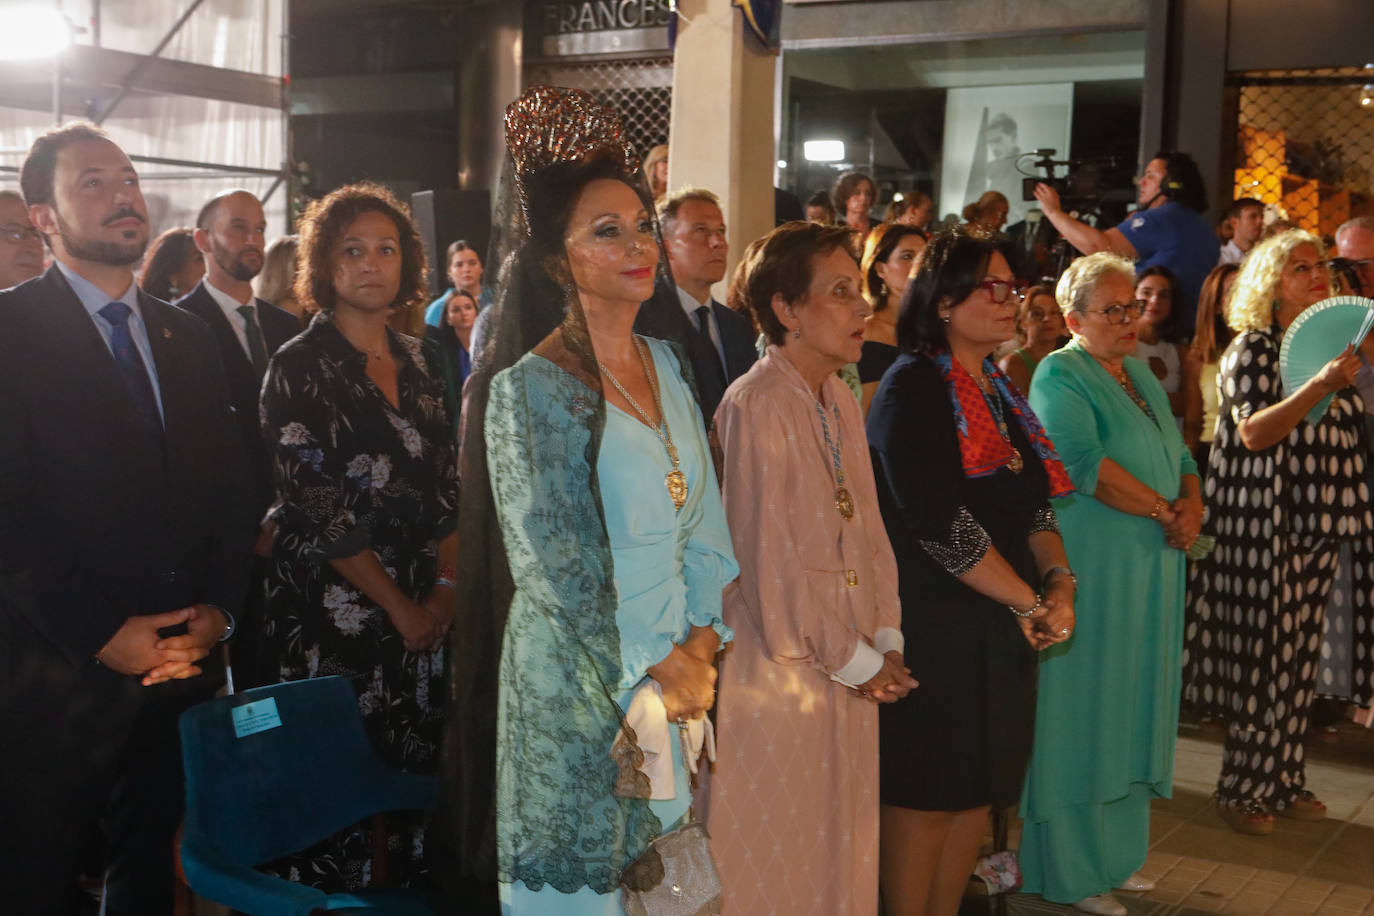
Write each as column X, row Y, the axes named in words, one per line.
column 1182, row 522
column 1053, row 621
column 424, row 625
column 892, row 682
column 687, row 677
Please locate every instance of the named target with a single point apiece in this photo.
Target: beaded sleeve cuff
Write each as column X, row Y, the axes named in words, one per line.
column 963, row 547
column 1044, row 520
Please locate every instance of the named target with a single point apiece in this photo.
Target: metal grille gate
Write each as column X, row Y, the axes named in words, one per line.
column 1304, row 143
column 641, row 89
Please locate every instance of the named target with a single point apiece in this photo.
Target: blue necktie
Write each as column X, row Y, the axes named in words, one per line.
column 131, row 366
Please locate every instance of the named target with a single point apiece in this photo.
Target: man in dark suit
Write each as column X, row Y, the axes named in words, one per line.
column 720, row 341
column 124, row 546
column 229, row 234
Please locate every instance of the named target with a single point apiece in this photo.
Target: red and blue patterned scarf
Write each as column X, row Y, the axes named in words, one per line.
column 981, row 445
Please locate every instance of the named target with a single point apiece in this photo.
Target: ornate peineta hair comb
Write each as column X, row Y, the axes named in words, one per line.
column 549, row 124
column 982, row 233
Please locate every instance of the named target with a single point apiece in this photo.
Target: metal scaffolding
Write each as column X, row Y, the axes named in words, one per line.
column 201, row 126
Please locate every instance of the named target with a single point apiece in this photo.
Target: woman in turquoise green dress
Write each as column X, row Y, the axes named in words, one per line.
column 609, row 519
column 1107, row 712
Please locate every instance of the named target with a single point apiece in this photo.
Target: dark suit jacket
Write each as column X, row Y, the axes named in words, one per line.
column 97, row 522
column 278, row 326
column 737, row 337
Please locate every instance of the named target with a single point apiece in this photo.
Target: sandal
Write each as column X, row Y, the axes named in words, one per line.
column 1303, row 807
column 1249, row 817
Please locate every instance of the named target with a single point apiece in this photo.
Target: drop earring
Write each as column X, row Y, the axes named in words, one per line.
column 796, row 335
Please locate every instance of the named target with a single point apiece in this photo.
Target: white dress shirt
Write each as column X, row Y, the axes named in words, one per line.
column 230, row 306
column 690, row 306
column 1230, row 253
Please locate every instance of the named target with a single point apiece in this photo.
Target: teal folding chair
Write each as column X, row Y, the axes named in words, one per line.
column 275, row 770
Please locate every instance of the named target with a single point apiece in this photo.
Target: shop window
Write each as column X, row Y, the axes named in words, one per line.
column 1304, row 144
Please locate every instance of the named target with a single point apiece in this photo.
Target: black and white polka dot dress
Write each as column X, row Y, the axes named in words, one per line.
column 1256, row 606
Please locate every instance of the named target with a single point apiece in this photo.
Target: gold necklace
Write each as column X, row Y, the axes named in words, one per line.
column 1124, row 380
column 675, row 480
column 994, row 401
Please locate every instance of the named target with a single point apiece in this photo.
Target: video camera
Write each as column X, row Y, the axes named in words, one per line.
column 1084, row 183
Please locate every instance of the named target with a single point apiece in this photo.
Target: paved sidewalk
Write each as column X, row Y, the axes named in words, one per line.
column 1202, row 866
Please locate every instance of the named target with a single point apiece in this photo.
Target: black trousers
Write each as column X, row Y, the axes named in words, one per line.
column 145, row 806
column 83, row 749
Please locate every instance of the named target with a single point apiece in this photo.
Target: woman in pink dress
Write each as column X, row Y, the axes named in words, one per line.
column 793, row 804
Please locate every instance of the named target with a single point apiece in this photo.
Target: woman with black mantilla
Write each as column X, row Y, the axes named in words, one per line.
column 603, row 509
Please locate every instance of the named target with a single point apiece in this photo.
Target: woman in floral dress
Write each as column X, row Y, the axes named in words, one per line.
column 364, row 460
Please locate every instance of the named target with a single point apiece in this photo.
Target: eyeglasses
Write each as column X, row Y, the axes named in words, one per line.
column 999, row 290
column 15, row 234
column 1119, row 314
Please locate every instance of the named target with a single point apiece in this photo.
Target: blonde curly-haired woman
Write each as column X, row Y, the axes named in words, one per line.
column 1282, row 495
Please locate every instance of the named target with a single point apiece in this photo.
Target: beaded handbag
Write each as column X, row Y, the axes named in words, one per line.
column 676, row 875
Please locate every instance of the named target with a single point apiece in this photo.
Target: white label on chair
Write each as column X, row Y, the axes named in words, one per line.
column 258, row 716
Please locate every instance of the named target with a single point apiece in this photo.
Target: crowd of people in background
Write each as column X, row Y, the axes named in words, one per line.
column 932, row 534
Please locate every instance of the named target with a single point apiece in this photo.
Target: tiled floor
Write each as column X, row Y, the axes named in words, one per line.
column 1202, row 866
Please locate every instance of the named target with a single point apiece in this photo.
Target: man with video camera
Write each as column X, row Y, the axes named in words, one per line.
column 1167, row 227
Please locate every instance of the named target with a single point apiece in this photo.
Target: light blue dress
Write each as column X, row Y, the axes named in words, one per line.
column 669, row 569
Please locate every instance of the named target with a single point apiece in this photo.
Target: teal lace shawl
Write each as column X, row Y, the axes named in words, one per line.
column 558, row 820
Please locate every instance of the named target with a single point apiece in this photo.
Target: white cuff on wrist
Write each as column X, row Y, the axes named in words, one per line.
column 861, row 667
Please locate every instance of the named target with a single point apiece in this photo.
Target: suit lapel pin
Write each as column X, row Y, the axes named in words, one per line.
column 167, row 333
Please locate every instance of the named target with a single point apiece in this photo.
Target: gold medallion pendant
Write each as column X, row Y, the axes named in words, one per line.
column 1016, row 463
column 676, row 482
column 845, row 503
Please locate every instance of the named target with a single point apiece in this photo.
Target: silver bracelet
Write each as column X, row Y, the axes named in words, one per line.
column 1060, row 569
column 1033, row 608
column 447, row 583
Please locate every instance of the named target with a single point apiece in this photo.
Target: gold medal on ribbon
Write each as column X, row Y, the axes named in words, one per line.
column 845, row 503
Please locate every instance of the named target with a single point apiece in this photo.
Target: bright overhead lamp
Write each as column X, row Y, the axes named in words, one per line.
column 32, row 31
column 823, row 150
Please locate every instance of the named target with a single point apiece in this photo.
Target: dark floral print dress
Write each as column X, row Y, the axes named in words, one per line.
column 354, row 473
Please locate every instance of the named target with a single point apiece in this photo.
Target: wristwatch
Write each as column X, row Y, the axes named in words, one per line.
column 229, row 623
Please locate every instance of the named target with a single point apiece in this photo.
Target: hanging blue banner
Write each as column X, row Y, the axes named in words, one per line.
column 762, row 17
